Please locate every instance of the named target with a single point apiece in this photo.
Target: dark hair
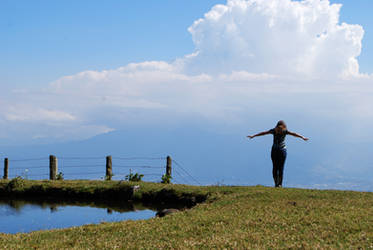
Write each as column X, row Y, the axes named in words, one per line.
column 280, row 127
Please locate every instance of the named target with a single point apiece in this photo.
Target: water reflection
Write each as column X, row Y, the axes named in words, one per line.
column 25, row 215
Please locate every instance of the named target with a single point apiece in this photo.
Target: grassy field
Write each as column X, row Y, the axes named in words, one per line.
column 231, row 217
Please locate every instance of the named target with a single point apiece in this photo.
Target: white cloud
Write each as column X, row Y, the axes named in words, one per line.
column 252, row 58
column 239, row 76
column 275, row 37
column 24, row 114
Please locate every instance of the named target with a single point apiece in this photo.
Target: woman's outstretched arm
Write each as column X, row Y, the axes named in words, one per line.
column 259, row 134
column 297, row 135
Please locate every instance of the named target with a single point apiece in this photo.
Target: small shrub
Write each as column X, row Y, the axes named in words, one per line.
column 166, row 179
column 133, row 177
column 17, row 182
column 59, row 177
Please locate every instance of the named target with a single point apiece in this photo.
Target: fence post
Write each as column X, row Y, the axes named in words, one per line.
column 169, row 166
column 53, row 167
column 6, row 166
column 109, row 168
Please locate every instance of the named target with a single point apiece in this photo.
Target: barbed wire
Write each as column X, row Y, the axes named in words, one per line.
column 177, row 164
column 145, row 174
column 139, row 158
column 121, row 166
column 30, row 167
column 89, row 158
column 184, row 180
column 81, row 166
column 184, row 175
column 82, row 158
column 31, row 159
column 27, row 175
column 86, row 173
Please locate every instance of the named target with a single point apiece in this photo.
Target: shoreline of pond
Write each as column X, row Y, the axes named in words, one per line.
column 20, row 216
column 101, row 192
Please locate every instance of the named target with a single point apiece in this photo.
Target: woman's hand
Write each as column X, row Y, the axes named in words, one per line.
column 259, row 134
column 298, row 135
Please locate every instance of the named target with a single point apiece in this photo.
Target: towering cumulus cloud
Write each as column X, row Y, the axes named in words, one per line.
column 246, row 53
column 277, row 37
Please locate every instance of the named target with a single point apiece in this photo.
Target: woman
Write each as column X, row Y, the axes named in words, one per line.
column 278, row 153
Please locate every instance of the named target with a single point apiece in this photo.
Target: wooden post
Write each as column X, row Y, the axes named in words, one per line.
column 53, row 167
column 109, row 168
column 6, row 167
column 169, row 166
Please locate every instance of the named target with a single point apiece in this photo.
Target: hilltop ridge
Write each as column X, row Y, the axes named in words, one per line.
column 231, row 217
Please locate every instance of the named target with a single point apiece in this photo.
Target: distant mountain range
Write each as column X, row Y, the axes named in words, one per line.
column 211, row 158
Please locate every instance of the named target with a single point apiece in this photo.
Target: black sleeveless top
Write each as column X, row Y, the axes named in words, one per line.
column 278, row 139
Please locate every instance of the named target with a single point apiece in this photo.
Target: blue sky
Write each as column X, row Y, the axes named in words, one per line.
column 72, row 70
column 44, row 40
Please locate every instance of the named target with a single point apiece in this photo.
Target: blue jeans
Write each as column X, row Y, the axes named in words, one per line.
column 278, row 156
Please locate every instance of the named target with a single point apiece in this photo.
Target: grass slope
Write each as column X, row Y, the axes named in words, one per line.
column 231, row 217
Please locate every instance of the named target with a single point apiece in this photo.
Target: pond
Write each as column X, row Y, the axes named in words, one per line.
column 21, row 216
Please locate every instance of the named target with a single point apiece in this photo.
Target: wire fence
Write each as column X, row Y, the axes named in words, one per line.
column 30, row 168
column 95, row 168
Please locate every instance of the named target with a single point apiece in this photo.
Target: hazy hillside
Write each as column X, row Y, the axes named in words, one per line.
column 212, row 157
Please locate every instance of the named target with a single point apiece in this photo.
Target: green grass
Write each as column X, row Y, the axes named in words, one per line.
column 231, row 217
